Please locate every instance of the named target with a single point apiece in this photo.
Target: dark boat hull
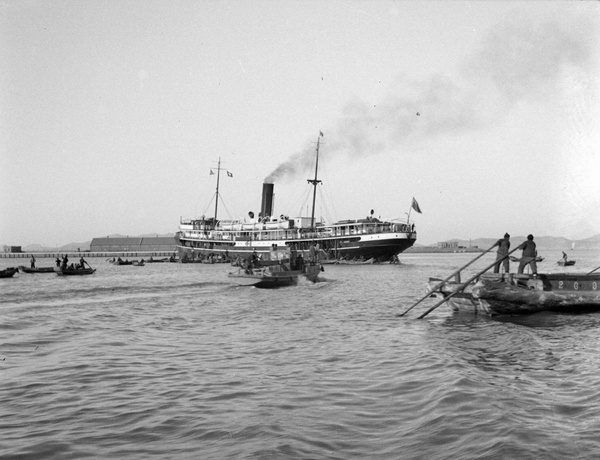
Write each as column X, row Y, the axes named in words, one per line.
column 24, row 269
column 267, row 277
column 74, row 271
column 8, row 272
column 524, row 294
column 547, row 292
column 383, row 249
column 567, row 263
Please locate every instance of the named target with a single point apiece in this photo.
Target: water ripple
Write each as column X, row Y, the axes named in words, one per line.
column 174, row 362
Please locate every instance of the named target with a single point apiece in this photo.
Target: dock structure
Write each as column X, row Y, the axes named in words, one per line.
column 107, row 247
column 135, row 244
column 86, row 254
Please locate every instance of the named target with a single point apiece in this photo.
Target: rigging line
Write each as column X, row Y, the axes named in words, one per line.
column 326, row 201
column 306, row 199
column 290, row 204
column 326, row 211
column 226, row 209
column 208, row 205
column 326, row 194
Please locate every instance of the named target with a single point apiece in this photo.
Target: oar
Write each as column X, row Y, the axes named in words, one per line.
column 452, row 294
column 597, row 268
column 441, row 283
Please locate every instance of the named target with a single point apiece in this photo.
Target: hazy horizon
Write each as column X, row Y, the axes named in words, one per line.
column 114, row 113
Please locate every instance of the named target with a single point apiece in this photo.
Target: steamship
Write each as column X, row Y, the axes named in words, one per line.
column 360, row 239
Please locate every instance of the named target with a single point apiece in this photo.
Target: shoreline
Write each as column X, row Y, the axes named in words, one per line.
column 432, row 249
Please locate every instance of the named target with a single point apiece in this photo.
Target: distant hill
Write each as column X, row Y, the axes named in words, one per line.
column 72, row 247
column 545, row 242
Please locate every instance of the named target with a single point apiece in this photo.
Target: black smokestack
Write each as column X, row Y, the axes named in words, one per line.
column 266, row 208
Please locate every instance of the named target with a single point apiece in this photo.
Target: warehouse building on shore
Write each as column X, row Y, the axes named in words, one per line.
column 136, row 244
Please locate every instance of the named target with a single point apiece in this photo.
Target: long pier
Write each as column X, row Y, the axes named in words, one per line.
column 76, row 254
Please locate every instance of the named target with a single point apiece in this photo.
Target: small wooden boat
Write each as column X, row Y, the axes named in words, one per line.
column 566, row 263
column 508, row 293
column 156, row 261
column 8, row 272
column 139, row 263
column 122, row 262
column 284, row 268
column 74, row 271
column 24, row 269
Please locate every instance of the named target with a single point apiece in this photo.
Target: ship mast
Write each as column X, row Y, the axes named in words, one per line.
column 217, row 194
column 315, row 182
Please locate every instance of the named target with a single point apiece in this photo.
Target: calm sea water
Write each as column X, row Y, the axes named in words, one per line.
column 174, row 361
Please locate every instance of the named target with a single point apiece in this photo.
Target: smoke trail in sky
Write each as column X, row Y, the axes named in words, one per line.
column 517, row 59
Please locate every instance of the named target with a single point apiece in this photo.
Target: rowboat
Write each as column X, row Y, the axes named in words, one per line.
column 566, row 263
column 122, row 262
column 74, row 271
column 509, row 293
column 156, row 261
column 8, row 272
column 24, row 269
column 283, row 268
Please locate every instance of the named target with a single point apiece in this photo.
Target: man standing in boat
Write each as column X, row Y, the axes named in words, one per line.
column 502, row 253
column 32, row 261
column 528, row 256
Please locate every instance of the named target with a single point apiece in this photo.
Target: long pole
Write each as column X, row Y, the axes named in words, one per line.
column 441, row 283
column 217, row 194
column 452, row 294
column 597, row 268
column 315, row 181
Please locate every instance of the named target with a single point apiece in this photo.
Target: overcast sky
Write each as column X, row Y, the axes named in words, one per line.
column 113, row 113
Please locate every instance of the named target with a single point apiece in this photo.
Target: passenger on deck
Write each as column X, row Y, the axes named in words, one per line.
column 528, row 256
column 502, row 252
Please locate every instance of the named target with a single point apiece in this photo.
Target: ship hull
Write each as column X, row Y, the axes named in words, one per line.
column 381, row 247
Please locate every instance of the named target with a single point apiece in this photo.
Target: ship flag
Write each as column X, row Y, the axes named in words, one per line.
column 321, row 133
column 211, row 172
column 415, row 206
column 229, row 174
